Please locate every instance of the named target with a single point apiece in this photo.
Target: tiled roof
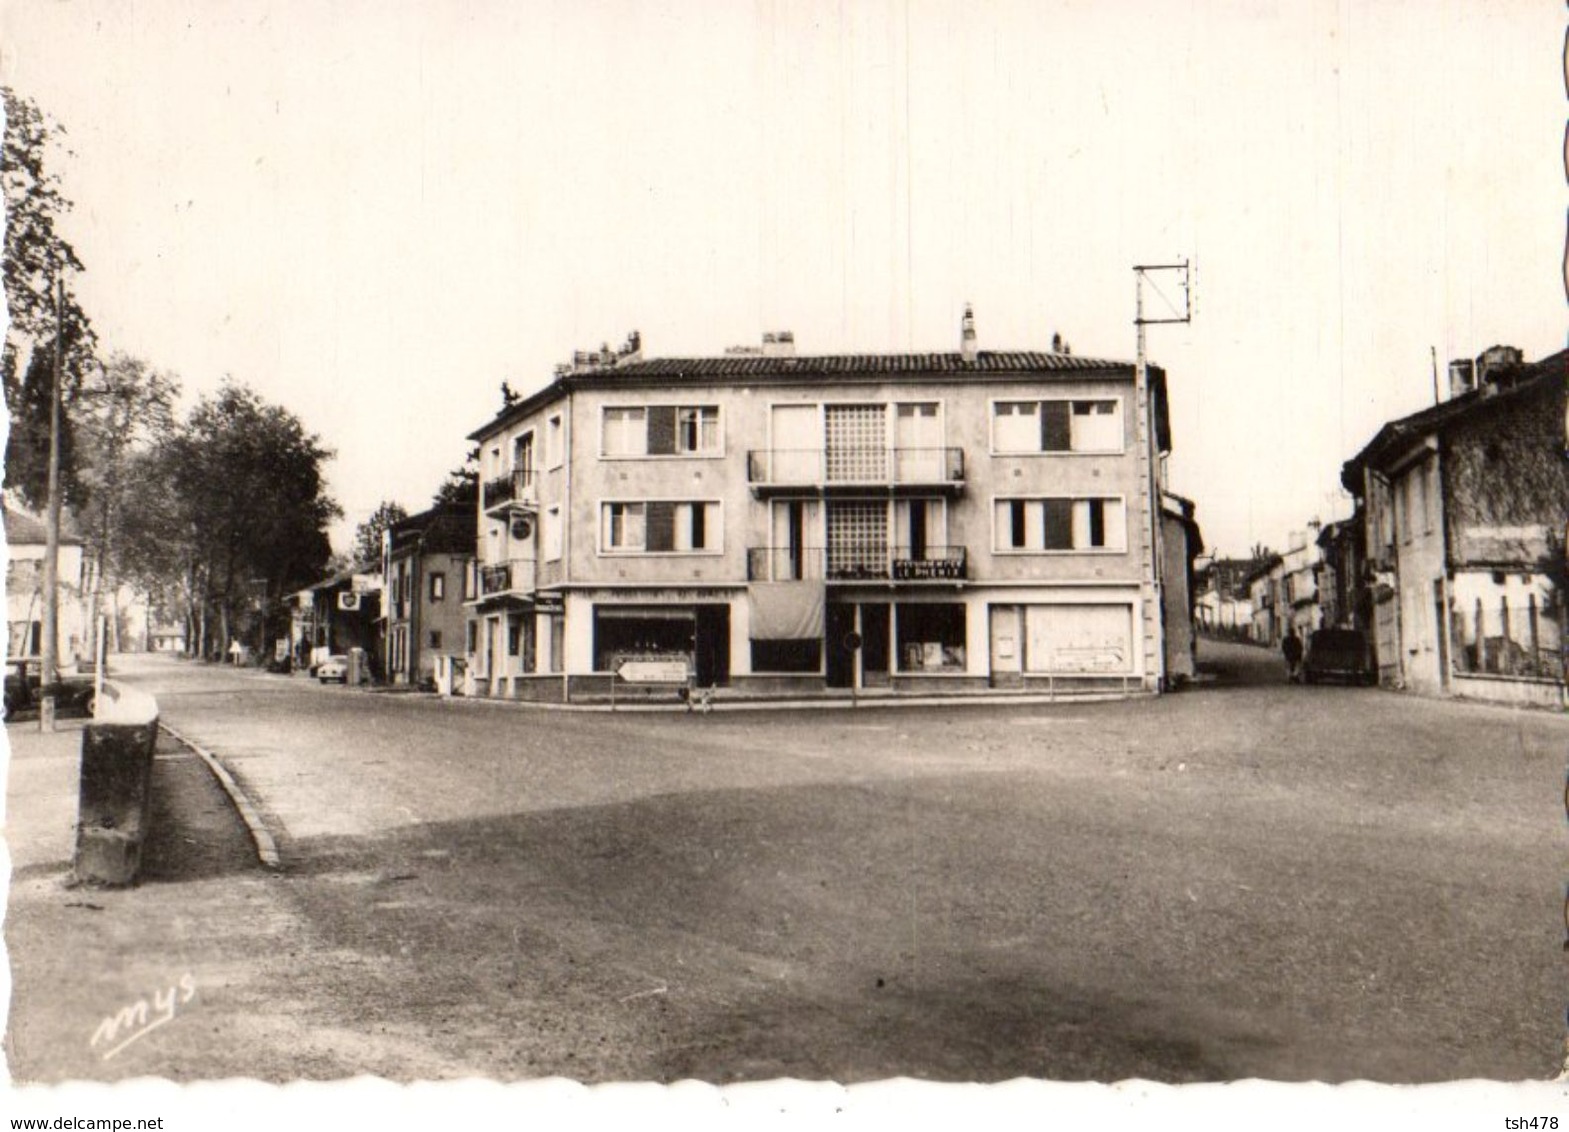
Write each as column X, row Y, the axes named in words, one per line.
column 443, row 529
column 824, row 367
column 23, row 529
column 754, row 365
column 1394, row 435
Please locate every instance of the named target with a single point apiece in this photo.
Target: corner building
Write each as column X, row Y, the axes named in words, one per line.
column 881, row 523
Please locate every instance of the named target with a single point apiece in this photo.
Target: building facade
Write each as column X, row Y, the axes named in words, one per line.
column 782, row 523
column 27, row 548
column 427, row 560
column 1464, row 507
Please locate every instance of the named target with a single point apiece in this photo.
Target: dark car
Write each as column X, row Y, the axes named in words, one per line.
column 74, row 695
column 1338, row 654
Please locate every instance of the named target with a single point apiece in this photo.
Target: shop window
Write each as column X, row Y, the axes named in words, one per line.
column 623, row 633
column 931, row 637
column 788, row 656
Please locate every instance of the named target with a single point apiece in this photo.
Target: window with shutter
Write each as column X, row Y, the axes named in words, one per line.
column 661, row 526
column 661, row 430
column 1056, row 432
column 1058, row 515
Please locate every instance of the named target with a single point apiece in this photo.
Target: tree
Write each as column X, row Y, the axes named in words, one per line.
column 124, row 408
column 36, row 257
column 232, row 514
column 367, row 536
column 461, row 487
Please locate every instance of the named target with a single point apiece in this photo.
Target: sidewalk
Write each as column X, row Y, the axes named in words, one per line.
column 173, row 978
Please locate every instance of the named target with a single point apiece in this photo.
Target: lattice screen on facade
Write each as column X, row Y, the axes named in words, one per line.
column 857, row 539
column 857, row 443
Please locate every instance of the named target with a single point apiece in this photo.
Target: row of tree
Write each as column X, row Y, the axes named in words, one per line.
column 215, row 514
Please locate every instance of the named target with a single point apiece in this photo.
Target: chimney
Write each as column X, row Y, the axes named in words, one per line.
column 779, row 344
column 1494, row 363
column 1462, row 377
column 967, row 348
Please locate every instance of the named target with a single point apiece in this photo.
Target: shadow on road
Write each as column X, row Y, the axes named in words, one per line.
column 195, row 832
column 729, row 935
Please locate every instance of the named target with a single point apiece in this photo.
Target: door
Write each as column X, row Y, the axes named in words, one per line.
column 1441, row 631
column 711, row 662
column 795, row 546
column 839, row 623
column 1006, row 647
column 874, row 646
column 796, row 445
column 918, row 444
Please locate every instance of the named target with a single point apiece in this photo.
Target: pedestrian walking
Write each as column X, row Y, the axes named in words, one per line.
column 1291, row 648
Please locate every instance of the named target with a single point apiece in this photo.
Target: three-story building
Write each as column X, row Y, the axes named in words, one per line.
column 785, row 523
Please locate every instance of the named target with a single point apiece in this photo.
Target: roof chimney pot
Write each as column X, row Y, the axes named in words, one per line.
column 967, row 345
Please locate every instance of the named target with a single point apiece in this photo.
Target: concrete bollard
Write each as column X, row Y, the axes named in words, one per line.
column 116, row 787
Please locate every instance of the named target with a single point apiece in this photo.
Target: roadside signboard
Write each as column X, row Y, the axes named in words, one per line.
column 653, row 671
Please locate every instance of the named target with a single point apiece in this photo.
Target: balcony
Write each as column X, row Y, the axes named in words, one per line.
column 826, row 469
column 515, row 577
column 857, row 564
column 517, row 490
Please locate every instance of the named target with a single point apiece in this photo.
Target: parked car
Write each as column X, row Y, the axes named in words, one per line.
column 1339, row 654
column 333, row 668
column 73, row 694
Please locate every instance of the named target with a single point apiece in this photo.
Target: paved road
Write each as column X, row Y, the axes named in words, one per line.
column 1241, row 880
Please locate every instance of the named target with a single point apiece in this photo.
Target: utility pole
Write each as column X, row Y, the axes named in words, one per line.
column 49, row 663
column 1151, row 474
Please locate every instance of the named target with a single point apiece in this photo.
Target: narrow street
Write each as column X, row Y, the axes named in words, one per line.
column 1241, row 880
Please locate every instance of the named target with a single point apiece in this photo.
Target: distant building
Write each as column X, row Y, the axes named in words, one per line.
column 27, row 543
column 337, row 614
column 1223, row 606
column 1181, row 543
column 427, row 560
column 1464, row 506
column 962, row 521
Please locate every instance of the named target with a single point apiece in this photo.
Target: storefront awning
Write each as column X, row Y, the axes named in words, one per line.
column 786, row 611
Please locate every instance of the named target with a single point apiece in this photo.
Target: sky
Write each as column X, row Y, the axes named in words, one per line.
column 374, row 213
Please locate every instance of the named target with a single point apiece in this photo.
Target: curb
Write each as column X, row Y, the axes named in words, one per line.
column 266, row 847
column 864, row 703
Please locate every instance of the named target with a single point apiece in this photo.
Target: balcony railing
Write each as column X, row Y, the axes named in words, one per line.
column 515, row 576
column 514, row 488
column 797, row 467
column 857, row 563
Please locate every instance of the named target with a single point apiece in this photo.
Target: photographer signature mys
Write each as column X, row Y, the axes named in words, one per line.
column 142, row 1017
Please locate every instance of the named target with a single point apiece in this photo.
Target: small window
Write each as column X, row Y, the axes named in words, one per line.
column 623, row 526
column 438, row 587
column 435, row 638
column 1060, row 524
column 473, row 637
column 551, row 534
column 661, row 526
column 523, row 459
column 697, row 429
column 625, row 432
column 1057, row 426
column 554, row 447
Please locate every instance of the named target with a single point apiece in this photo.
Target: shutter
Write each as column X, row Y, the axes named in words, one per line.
column 1056, row 435
column 661, row 530
column 661, row 430
column 1059, row 523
